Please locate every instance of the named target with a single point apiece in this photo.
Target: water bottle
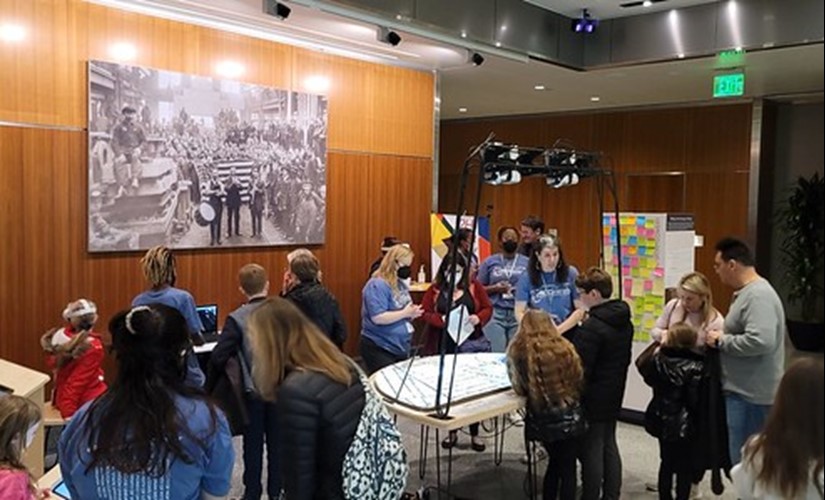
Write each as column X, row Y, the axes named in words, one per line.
column 422, row 276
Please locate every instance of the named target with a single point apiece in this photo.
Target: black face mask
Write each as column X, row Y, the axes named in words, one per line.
column 84, row 325
column 404, row 272
column 510, row 246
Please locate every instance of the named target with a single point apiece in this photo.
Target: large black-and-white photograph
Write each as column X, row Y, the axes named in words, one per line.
column 198, row 162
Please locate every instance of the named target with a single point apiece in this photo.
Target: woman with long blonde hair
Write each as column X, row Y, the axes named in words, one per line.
column 694, row 306
column 318, row 393
column 546, row 369
column 387, row 311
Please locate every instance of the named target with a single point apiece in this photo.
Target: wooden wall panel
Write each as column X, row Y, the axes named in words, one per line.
column 373, row 108
column 44, row 263
column 380, row 141
column 707, row 147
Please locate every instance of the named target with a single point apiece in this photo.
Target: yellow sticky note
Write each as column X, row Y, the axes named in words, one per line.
column 638, row 288
column 650, row 223
column 645, row 273
column 649, row 306
column 658, row 287
column 649, row 322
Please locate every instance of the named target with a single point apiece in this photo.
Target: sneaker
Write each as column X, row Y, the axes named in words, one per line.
column 654, row 487
column 515, row 419
column 539, row 455
column 477, row 444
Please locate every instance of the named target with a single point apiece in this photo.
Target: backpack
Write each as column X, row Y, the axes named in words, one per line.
column 375, row 466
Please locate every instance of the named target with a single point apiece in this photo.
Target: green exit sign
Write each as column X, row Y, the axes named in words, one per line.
column 729, row 85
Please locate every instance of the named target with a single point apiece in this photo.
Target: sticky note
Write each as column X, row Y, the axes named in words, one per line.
column 658, row 288
column 626, row 271
column 638, row 288
column 648, row 323
column 633, row 240
column 648, row 284
column 650, row 223
column 645, row 272
column 659, row 272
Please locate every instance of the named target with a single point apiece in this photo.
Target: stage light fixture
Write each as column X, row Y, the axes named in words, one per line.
column 584, row 24
column 477, row 59
column 277, row 9
column 386, row 35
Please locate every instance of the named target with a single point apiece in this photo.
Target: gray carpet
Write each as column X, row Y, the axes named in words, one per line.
column 476, row 476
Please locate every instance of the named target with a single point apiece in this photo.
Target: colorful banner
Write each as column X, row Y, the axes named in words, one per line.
column 443, row 225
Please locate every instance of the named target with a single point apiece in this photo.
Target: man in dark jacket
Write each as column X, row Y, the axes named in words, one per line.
column 604, row 342
column 263, row 425
column 314, row 300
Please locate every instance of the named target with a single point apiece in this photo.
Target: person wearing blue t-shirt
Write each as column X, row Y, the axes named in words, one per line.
column 159, row 270
column 499, row 274
column 387, row 311
column 151, row 435
column 550, row 285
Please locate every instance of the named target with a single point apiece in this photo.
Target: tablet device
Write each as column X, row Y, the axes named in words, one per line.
column 208, row 314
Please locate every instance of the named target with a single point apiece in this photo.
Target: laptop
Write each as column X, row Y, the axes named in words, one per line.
column 208, row 314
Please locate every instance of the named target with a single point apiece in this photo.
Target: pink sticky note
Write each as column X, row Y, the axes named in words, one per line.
column 626, row 272
column 648, row 285
column 659, row 272
column 634, row 261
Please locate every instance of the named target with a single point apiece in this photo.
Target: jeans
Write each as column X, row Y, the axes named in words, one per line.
column 560, row 477
column 376, row 358
column 744, row 420
column 501, row 329
column 601, row 462
column 263, row 427
column 675, row 459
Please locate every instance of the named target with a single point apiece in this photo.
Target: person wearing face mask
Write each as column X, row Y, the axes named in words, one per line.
column 435, row 304
column 75, row 354
column 19, row 420
column 499, row 274
column 694, row 306
column 387, row 311
column 549, row 285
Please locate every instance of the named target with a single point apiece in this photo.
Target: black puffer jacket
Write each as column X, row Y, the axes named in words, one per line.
column 322, row 308
column 317, row 421
column 604, row 342
column 676, row 376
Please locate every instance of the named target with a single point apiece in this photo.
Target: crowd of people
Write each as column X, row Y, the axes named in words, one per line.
column 278, row 377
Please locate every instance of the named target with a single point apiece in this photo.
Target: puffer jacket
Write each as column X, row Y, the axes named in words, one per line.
column 676, row 376
column 322, row 308
column 78, row 374
column 604, row 342
column 317, row 420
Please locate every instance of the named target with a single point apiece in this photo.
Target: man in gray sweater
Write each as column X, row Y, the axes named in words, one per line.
column 752, row 346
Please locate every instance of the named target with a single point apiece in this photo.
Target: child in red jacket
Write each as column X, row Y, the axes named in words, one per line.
column 75, row 353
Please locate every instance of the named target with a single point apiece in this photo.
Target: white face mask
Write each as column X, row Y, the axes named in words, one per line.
column 406, row 281
column 30, row 434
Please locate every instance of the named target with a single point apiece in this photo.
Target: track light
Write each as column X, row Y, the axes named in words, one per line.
column 477, row 59
column 584, row 24
column 386, row 35
column 277, row 9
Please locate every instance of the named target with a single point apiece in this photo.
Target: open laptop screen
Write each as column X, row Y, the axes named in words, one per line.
column 209, row 318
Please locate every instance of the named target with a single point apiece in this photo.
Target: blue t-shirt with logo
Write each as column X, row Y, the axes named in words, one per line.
column 554, row 298
column 210, row 471
column 377, row 298
column 495, row 269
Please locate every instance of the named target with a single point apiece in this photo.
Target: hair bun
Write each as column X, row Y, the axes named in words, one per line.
column 134, row 320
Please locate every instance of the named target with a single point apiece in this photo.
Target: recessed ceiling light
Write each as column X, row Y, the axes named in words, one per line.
column 503, row 27
column 463, row 34
column 680, row 55
column 539, row 87
column 498, row 44
column 462, row 110
column 595, row 98
column 647, row 3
